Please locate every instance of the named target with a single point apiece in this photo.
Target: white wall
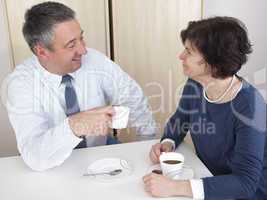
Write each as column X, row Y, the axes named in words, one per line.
column 7, row 137
column 254, row 14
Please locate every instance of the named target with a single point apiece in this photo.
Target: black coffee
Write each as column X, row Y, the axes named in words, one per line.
column 157, row 171
column 172, row 161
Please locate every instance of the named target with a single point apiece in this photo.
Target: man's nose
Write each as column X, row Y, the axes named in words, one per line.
column 82, row 49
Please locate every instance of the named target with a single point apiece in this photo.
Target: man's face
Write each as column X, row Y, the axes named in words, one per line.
column 68, row 47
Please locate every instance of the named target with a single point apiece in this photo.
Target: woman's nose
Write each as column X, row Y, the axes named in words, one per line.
column 182, row 56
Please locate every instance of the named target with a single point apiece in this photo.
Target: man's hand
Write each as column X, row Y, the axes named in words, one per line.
column 157, row 149
column 92, row 122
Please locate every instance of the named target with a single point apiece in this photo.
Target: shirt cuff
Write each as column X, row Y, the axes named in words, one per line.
column 197, row 188
column 169, row 140
column 72, row 138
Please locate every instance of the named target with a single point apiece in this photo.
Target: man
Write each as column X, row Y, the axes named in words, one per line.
column 57, row 99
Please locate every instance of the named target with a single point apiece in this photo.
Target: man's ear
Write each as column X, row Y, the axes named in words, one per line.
column 41, row 52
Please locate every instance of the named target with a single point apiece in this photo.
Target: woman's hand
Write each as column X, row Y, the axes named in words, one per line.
column 161, row 186
column 157, row 149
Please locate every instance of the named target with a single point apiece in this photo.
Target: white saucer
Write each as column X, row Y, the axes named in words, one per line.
column 186, row 173
column 107, row 165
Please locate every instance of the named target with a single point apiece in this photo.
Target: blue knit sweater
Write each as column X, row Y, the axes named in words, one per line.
column 229, row 138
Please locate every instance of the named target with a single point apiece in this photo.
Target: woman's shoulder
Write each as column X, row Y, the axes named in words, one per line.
column 248, row 95
column 250, row 106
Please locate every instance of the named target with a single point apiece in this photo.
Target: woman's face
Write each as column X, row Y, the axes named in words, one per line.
column 194, row 65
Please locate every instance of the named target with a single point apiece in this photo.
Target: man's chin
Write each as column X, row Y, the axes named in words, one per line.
column 75, row 67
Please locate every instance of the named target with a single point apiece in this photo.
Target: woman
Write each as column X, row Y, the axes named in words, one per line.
column 225, row 115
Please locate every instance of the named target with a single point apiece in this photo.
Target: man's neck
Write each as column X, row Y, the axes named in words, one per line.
column 50, row 68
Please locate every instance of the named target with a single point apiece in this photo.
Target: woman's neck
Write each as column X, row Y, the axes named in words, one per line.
column 216, row 87
column 220, row 90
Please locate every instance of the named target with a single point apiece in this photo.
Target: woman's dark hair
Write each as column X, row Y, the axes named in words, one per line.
column 222, row 41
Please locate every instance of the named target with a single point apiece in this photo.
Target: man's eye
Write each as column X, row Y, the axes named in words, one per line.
column 71, row 46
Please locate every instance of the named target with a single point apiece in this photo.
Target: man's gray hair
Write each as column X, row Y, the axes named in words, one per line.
column 40, row 21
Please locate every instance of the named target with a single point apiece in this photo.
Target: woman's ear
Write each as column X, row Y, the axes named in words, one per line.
column 201, row 62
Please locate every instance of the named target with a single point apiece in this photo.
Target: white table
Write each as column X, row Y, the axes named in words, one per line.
column 18, row 182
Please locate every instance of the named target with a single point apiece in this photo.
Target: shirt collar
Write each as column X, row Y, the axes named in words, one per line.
column 53, row 79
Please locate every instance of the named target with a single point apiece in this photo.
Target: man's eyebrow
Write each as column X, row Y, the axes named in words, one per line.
column 73, row 39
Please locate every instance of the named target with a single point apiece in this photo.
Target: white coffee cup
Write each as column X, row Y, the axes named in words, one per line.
column 171, row 164
column 121, row 117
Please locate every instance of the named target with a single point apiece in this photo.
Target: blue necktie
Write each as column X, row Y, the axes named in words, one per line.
column 72, row 105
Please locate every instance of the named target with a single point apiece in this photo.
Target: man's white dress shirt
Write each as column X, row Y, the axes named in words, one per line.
column 36, row 106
